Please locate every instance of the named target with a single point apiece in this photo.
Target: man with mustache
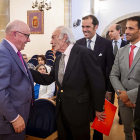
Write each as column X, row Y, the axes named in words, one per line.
column 102, row 49
column 125, row 74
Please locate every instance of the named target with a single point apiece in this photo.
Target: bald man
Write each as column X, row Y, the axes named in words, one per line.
column 16, row 83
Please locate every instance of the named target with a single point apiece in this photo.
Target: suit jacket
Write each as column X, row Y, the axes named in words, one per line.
column 137, row 114
column 123, row 43
column 16, row 88
column 123, row 78
column 104, row 53
column 83, row 88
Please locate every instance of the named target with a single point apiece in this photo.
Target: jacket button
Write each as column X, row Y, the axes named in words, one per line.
column 59, row 100
column 30, row 88
column 128, row 78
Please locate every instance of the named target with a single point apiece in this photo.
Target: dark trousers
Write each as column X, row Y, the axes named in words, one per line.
column 97, row 135
column 66, row 131
column 13, row 136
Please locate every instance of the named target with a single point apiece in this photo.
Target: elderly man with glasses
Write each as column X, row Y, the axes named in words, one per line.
column 16, row 83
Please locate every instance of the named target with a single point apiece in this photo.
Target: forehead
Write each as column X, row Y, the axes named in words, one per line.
column 131, row 23
column 56, row 32
column 41, row 67
column 87, row 21
column 113, row 27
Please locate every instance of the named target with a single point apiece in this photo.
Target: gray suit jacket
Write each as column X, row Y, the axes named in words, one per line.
column 16, row 88
column 123, row 78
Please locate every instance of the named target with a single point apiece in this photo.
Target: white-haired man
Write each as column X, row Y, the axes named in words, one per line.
column 81, row 86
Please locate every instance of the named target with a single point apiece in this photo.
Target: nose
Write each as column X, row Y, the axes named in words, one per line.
column 51, row 42
column 29, row 39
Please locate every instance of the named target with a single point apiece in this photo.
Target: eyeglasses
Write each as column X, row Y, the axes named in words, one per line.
column 27, row 35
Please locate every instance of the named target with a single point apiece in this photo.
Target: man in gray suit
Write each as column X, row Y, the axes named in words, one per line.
column 16, row 83
column 125, row 74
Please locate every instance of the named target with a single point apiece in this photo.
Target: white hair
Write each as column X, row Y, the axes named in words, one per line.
column 66, row 30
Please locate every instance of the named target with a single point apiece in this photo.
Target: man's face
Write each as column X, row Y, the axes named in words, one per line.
column 113, row 33
column 56, row 42
column 25, row 58
column 88, row 28
column 132, row 32
column 22, row 37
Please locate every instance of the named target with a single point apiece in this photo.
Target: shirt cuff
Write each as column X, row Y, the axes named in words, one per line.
column 14, row 119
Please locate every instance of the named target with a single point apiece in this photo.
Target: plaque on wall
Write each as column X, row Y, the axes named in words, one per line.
column 35, row 20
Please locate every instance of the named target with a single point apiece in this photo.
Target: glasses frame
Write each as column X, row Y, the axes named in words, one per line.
column 28, row 35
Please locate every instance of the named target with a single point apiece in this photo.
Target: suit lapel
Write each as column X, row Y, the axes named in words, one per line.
column 137, row 57
column 71, row 62
column 14, row 55
column 57, row 68
column 126, row 57
column 97, row 45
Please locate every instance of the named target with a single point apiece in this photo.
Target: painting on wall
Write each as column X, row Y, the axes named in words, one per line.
column 35, row 20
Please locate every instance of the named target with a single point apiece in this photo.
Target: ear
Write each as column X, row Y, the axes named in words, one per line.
column 96, row 27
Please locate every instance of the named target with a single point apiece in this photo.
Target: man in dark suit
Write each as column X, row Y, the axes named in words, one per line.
column 117, row 43
column 16, row 83
column 81, row 86
column 102, row 49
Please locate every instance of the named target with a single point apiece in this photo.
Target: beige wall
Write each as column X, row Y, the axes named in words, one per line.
column 54, row 17
column 4, row 16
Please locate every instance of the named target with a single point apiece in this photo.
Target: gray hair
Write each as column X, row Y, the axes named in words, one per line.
column 66, row 30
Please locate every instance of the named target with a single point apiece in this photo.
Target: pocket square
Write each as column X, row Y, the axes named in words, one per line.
column 100, row 54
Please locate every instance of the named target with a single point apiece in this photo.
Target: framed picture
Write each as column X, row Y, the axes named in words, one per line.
column 35, row 20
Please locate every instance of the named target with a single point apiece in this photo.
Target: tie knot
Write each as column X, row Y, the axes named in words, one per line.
column 63, row 55
column 115, row 42
column 132, row 47
column 19, row 53
column 89, row 41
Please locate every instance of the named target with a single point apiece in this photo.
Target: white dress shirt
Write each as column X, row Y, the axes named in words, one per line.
column 119, row 41
column 135, row 49
column 92, row 44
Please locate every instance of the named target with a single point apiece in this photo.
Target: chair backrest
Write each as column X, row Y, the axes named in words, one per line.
column 33, row 61
column 50, row 62
column 42, row 122
column 34, row 56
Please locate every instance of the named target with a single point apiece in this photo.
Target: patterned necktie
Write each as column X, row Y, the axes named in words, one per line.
column 131, row 55
column 89, row 41
column 115, row 48
column 61, row 69
column 20, row 56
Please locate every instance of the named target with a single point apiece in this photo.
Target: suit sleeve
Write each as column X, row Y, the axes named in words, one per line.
column 115, row 75
column 96, row 80
column 43, row 79
column 110, row 62
column 7, row 109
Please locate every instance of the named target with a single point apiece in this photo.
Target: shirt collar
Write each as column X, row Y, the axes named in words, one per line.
column 68, row 49
column 118, row 41
column 137, row 44
column 13, row 46
column 93, row 39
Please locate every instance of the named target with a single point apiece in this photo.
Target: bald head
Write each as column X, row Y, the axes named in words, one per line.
column 115, row 31
column 17, row 32
column 16, row 25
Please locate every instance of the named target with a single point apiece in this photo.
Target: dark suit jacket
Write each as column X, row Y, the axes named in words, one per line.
column 123, row 43
column 102, row 46
column 83, row 87
column 137, row 114
column 16, row 88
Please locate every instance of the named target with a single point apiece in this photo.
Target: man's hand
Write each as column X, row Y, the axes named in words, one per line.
column 100, row 115
column 123, row 96
column 108, row 96
column 130, row 104
column 134, row 135
column 19, row 124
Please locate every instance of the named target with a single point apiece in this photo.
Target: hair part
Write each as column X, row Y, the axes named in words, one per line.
column 94, row 19
column 66, row 31
column 135, row 18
